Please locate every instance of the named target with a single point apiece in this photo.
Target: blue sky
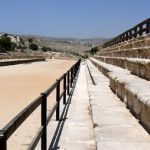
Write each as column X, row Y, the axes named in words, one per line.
column 72, row 18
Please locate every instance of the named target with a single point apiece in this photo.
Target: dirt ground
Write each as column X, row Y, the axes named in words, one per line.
column 19, row 86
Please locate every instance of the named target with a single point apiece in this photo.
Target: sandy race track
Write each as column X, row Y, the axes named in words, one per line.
column 19, row 86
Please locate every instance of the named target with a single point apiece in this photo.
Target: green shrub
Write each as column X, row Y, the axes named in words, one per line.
column 94, row 50
column 6, row 44
column 21, row 47
column 45, row 49
column 30, row 40
column 33, row 46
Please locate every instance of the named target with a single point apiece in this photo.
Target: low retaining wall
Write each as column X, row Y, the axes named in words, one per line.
column 14, row 62
column 132, row 90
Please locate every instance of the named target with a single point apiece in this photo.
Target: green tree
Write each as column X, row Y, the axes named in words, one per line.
column 13, row 46
column 22, row 41
column 94, row 50
column 21, row 47
column 45, row 49
column 30, row 40
column 6, row 44
column 33, row 46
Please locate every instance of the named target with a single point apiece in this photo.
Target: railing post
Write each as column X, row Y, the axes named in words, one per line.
column 58, row 99
column 147, row 26
column 68, row 84
column 126, row 36
column 3, row 142
column 64, row 87
column 44, row 121
column 140, row 30
column 135, row 32
column 76, row 68
column 73, row 69
column 130, row 36
column 71, row 76
column 123, row 37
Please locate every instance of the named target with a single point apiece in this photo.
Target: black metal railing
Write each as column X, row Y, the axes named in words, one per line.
column 68, row 78
column 138, row 30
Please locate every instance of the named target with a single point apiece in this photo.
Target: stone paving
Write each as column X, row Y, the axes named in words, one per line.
column 78, row 129
column 74, row 131
column 114, row 126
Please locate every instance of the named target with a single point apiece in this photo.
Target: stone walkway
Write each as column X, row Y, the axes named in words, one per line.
column 75, row 130
column 78, row 132
column 114, row 126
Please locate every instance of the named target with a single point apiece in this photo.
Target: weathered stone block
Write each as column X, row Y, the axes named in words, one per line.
column 147, row 53
column 142, row 53
column 142, row 70
column 147, row 75
column 136, row 68
column 113, row 83
column 145, row 115
column 147, row 42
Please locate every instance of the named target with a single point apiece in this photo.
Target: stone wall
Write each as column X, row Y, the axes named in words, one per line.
column 23, row 61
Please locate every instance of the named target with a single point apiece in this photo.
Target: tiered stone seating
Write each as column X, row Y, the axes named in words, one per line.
column 133, row 53
column 132, row 90
column 114, row 126
column 139, row 67
column 125, row 61
column 135, row 43
column 135, row 48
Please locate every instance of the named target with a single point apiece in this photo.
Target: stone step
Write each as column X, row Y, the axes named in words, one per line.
column 139, row 67
column 114, row 126
column 132, row 90
column 135, row 43
column 143, row 52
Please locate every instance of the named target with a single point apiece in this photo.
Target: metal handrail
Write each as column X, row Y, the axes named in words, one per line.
column 138, row 30
column 13, row 125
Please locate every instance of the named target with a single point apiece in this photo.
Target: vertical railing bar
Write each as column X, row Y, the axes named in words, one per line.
column 130, row 36
column 140, row 30
column 68, row 89
column 73, row 73
column 147, row 26
column 58, row 99
column 44, row 121
column 64, row 87
column 135, row 32
column 3, row 141
column 71, row 77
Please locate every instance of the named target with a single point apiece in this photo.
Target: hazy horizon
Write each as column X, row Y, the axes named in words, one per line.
column 55, row 36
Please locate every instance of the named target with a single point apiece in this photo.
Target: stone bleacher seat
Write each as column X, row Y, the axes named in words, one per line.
column 125, row 60
column 139, row 67
column 131, row 89
column 135, row 48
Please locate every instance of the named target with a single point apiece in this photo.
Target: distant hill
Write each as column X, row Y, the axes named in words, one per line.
column 98, row 40
column 64, row 44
